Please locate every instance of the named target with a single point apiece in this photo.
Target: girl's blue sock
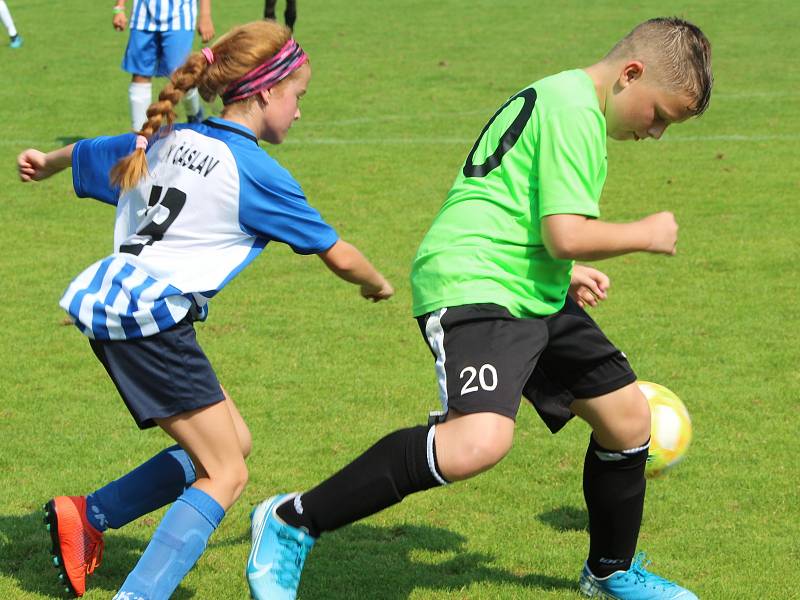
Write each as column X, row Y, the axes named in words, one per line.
column 178, row 542
column 149, row 486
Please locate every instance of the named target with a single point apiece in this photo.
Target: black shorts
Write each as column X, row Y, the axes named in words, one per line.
column 162, row 375
column 486, row 359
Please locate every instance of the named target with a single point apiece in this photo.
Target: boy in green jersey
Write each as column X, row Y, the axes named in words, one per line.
column 500, row 303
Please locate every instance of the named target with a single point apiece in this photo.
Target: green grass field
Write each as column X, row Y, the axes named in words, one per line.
column 400, row 90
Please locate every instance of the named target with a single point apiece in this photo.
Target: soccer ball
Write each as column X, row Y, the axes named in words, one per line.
column 670, row 430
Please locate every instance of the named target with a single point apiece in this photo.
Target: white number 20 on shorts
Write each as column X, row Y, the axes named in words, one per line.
column 487, row 382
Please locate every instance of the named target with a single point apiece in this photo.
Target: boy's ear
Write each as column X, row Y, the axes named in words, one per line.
column 632, row 70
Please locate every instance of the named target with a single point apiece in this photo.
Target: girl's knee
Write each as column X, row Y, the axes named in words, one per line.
column 232, row 478
column 245, row 442
column 241, row 476
column 242, row 431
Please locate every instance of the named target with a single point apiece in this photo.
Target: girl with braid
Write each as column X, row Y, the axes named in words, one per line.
column 195, row 204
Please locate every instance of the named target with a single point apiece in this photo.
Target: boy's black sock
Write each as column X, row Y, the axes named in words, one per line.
column 400, row 464
column 613, row 486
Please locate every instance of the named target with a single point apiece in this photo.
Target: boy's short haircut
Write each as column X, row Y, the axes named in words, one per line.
column 680, row 53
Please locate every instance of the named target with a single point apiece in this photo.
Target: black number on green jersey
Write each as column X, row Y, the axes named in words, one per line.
column 173, row 201
column 508, row 139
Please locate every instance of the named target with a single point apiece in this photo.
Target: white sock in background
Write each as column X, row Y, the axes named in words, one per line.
column 5, row 17
column 140, row 96
column 191, row 102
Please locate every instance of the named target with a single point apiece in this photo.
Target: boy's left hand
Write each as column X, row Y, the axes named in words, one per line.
column 588, row 286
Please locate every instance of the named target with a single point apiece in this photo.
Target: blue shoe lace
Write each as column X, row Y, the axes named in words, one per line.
column 641, row 576
column 290, row 561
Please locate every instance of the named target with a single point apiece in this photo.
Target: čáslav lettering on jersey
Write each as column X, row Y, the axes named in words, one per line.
column 187, row 155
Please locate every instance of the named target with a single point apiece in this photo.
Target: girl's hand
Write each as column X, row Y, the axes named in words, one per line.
column 32, row 165
column 588, row 286
column 377, row 293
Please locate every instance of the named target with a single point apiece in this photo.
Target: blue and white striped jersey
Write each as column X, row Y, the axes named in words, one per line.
column 164, row 15
column 212, row 201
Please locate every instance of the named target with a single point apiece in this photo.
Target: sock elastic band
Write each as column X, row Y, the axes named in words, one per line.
column 209, row 508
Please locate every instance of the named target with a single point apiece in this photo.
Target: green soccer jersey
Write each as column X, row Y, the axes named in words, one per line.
column 542, row 153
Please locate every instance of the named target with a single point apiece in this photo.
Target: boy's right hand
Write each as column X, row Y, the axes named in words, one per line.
column 32, row 165
column 377, row 293
column 663, row 232
column 120, row 21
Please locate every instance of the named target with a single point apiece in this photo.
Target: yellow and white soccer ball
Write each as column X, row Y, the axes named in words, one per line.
column 671, row 428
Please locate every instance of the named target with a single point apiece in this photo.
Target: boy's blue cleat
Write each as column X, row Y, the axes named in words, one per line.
column 634, row 584
column 16, row 41
column 278, row 553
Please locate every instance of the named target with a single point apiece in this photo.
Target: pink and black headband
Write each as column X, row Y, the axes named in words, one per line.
column 288, row 59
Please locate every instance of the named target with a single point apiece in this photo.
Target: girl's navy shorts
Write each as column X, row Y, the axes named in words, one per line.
column 161, row 375
column 487, row 359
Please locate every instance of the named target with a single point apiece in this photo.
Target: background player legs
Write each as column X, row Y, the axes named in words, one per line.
column 192, row 106
column 289, row 15
column 140, row 95
column 613, row 476
column 8, row 22
column 269, row 9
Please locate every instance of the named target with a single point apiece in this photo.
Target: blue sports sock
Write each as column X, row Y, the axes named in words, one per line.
column 149, row 486
column 176, row 545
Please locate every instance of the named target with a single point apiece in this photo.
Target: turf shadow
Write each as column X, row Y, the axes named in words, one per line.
column 364, row 561
column 566, row 518
column 360, row 561
column 25, row 558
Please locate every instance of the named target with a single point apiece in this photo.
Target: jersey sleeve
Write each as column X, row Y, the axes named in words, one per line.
column 92, row 161
column 572, row 162
column 273, row 206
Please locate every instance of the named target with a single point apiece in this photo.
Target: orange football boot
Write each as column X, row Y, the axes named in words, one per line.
column 77, row 546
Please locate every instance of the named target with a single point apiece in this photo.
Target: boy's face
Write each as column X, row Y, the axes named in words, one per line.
column 638, row 108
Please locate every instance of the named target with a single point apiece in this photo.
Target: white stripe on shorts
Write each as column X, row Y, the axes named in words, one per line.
column 435, row 335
